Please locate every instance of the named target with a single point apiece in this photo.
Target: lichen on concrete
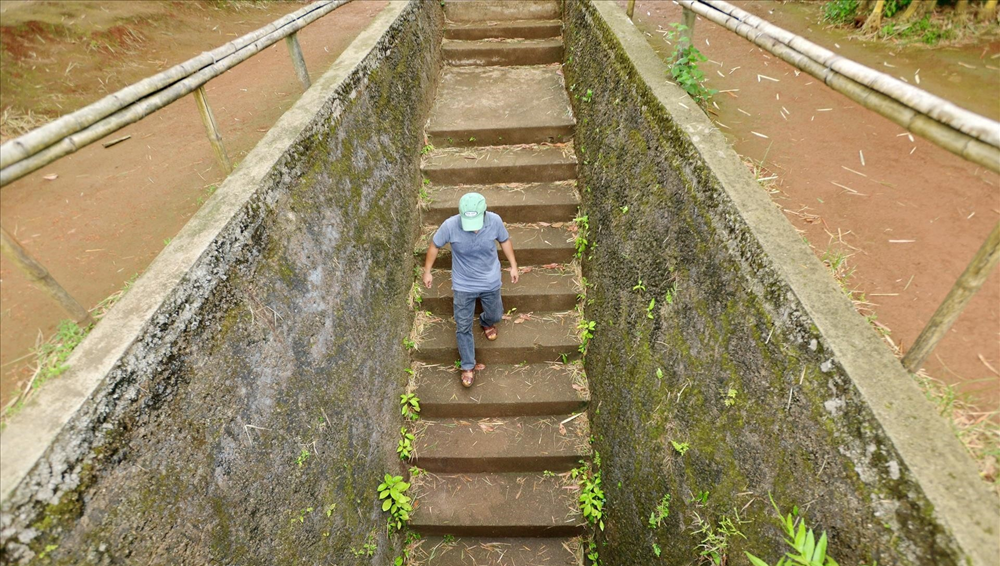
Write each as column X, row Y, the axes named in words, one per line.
column 823, row 417
column 258, row 432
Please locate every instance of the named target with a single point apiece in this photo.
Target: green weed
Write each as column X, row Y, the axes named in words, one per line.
column 303, row 458
column 409, row 405
column 405, row 445
column 685, row 70
column 840, row 11
column 392, row 494
column 661, row 512
column 680, row 447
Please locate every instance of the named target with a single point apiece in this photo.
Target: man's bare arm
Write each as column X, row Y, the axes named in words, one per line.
column 432, row 253
column 508, row 250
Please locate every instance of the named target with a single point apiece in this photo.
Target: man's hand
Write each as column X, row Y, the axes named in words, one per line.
column 428, row 278
column 515, row 274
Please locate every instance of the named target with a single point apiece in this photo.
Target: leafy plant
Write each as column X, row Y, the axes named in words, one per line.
column 649, row 309
column 685, row 69
column 392, row 494
column 427, row 149
column 808, row 551
column 680, row 447
column 639, row 286
column 409, row 344
column 656, row 550
column 661, row 512
column 840, row 11
column 303, row 457
column 671, row 294
column 405, row 446
column 592, row 497
column 409, row 405
column 714, row 543
column 624, row 209
column 586, row 328
column 659, row 373
column 589, row 96
column 730, row 397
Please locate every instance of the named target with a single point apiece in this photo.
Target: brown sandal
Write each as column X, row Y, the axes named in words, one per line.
column 468, row 377
column 490, row 332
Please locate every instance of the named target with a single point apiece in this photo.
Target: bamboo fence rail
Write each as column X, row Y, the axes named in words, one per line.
column 959, row 131
column 65, row 135
column 964, row 133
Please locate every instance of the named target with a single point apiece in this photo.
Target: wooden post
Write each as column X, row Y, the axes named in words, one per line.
column 687, row 35
column 298, row 61
column 631, row 9
column 971, row 280
column 41, row 278
column 212, row 129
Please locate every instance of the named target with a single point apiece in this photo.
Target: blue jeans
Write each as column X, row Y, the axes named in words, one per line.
column 465, row 307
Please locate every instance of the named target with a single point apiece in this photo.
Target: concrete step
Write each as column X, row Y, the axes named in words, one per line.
column 504, row 52
column 540, row 289
column 511, row 29
column 502, row 391
column 475, row 551
column 534, row 244
column 501, row 444
column 539, row 337
column 516, row 203
column 477, row 10
column 492, row 505
column 501, row 164
column 477, row 106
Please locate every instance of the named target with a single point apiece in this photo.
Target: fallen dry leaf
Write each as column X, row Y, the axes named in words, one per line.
column 51, row 177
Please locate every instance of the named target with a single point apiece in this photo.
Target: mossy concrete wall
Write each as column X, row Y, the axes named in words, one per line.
column 242, row 406
column 821, row 415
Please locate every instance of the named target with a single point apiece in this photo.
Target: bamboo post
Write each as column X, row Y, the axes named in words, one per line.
column 41, row 279
column 298, row 61
column 212, row 129
column 631, row 9
column 972, row 279
column 687, row 20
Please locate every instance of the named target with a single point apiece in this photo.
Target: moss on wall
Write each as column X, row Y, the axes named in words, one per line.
column 728, row 364
column 265, row 434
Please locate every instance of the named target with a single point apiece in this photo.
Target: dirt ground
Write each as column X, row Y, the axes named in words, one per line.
column 110, row 211
column 910, row 215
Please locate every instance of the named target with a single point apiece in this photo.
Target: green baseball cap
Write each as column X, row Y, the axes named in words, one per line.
column 472, row 209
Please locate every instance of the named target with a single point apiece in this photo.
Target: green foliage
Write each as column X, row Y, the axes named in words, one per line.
column 924, row 30
column 808, row 551
column 586, row 328
column 426, row 149
column 639, row 286
column 592, row 497
column 409, row 344
column 714, row 543
column 583, row 226
column 661, row 512
column 685, row 69
column 405, row 446
column 649, row 309
column 588, row 97
column 892, row 7
column 303, row 457
column 680, row 447
column 409, row 405
column 659, row 373
column 624, row 209
column 392, row 494
column 671, row 294
column 656, row 550
column 840, row 11
column 592, row 555
column 368, row 548
column 730, row 397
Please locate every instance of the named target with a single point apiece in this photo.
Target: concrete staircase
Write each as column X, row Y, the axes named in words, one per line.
column 492, row 487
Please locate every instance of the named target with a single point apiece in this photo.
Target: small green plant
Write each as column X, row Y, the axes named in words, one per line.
column 427, row 149
column 303, row 457
column 409, row 344
column 166, row 241
column 405, row 446
column 685, row 70
column 586, row 328
column 808, row 551
column 639, row 286
column 840, row 11
column 700, row 499
column 659, row 373
column 624, row 209
column 458, row 364
column 592, row 554
column 368, row 548
column 656, row 550
column 589, row 96
column 715, row 539
column 392, row 494
column 409, row 405
column 730, row 397
column 680, row 447
column 301, row 518
column 649, row 309
column 671, row 294
column 580, row 243
column 329, row 509
column 548, row 474
column 592, row 497
column 661, row 512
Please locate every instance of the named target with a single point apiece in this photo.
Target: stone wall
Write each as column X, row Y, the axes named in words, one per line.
column 241, row 405
column 751, row 358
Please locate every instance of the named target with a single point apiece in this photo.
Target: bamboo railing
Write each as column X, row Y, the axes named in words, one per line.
column 70, row 133
column 964, row 133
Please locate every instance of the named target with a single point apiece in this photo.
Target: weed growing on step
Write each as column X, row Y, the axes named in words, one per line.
column 586, row 328
column 807, row 550
column 583, row 226
column 392, row 494
column 405, row 445
column 409, row 406
column 685, row 67
column 661, row 512
column 409, row 344
column 591, row 494
column 680, row 447
column 426, row 149
column 714, row 544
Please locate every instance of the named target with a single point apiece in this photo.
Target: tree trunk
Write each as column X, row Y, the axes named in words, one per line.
column 874, row 21
column 917, row 9
column 988, row 12
column 962, row 8
column 860, row 11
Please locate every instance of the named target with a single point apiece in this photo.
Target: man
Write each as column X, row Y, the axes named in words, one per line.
column 475, row 272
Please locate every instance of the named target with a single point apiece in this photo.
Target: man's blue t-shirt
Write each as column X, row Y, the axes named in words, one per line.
column 475, row 266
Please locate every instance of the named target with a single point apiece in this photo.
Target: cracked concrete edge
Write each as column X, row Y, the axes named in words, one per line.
column 58, row 427
column 925, row 443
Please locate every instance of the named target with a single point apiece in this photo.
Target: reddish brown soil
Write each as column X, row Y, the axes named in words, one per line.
column 110, row 211
column 903, row 191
